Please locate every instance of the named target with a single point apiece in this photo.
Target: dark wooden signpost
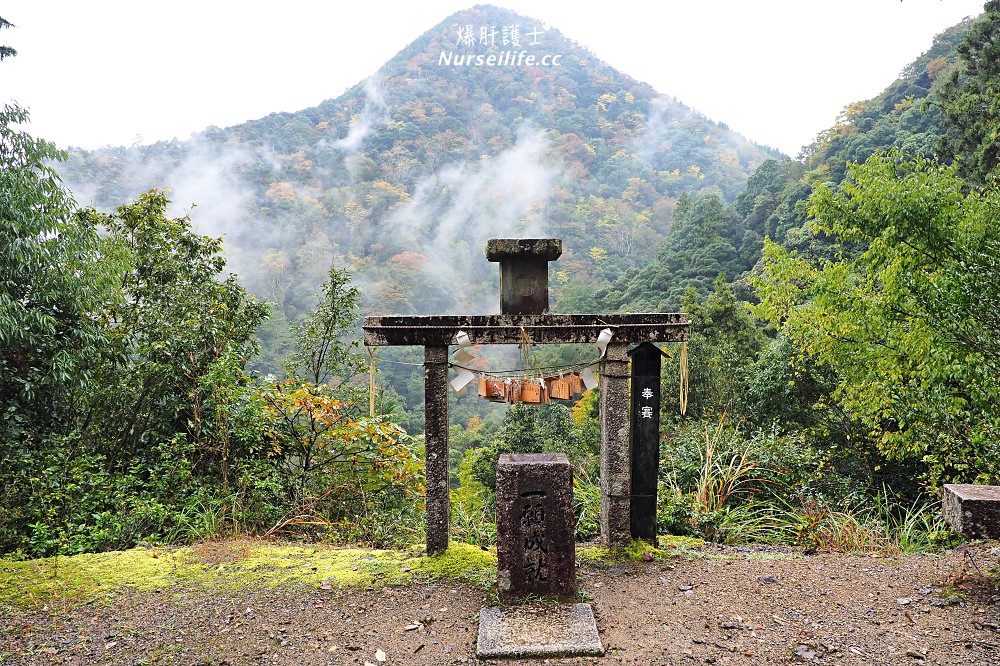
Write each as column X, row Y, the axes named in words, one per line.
column 645, row 432
column 520, row 315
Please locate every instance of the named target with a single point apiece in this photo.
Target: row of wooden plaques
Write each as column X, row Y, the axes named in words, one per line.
column 535, row 390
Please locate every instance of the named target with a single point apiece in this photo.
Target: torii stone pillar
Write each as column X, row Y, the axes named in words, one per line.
column 438, row 516
column 616, row 448
column 524, row 272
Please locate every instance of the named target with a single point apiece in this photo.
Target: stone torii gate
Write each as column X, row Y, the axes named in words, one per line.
column 523, row 307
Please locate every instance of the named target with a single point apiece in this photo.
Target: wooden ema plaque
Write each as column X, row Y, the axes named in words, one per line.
column 533, row 393
column 559, row 389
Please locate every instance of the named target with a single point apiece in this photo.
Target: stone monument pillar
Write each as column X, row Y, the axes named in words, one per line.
column 536, row 550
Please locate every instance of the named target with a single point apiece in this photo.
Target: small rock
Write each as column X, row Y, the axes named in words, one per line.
column 902, row 601
column 804, row 653
column 767, row 579
column 916, row 654
column 380, row 656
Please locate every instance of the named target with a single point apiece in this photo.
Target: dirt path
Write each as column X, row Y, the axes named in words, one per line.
column 719, row 606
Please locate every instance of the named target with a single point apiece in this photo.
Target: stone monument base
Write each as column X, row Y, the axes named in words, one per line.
column 538, row 630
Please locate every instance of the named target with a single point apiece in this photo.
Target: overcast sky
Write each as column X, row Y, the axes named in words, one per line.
column 111, row 73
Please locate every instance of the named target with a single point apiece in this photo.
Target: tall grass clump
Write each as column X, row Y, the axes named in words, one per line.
column 722, row 484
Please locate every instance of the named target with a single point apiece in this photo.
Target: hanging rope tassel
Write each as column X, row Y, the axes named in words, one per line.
column 371, row 382
column 685, row 378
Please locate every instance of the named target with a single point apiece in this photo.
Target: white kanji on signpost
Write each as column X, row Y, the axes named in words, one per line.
column 647, row 393
column 646, row 412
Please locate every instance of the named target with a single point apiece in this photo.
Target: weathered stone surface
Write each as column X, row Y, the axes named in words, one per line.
column 536, row 550
column 543, row 329
column 436, row 447
column 550, row 630
column 547, row 249
column 524, row 272
column 616, row 453
column 972, row 510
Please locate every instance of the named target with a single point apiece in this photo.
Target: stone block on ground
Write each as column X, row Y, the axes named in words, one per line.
column 536, row 550
column 972, row 510
column 538, row 631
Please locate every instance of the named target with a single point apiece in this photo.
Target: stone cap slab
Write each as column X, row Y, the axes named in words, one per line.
column 498, row 249
column 533, row 459
column 538, row 631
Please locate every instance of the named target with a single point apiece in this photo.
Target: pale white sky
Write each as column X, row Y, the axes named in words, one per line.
column 778, row 71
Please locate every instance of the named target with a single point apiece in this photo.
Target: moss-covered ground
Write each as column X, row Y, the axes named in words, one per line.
column 235, row 564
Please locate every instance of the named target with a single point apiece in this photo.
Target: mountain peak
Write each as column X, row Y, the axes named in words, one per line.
column 490, row 124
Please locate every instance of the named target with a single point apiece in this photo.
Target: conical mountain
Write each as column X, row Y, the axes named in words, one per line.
column 490, row 124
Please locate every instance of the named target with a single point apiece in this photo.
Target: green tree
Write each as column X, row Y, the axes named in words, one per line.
column 970, row 100
column 326, row 343
column 724, row 343
column 177, row 318
column 703, row 242
column 905, row 325
column 6, row 51
column 53, row 282
column 51, row 288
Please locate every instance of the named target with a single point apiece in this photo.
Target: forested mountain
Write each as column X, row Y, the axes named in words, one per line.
column 709, row 238
column 404, row 177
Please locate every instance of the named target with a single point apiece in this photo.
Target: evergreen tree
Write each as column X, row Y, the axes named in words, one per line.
column 6, row 51
column 971, row 100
